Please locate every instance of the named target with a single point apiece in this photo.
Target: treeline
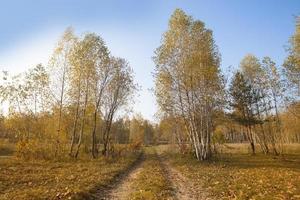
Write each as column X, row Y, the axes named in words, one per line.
column 79, row 102
column 75, row 104
column 258, row 103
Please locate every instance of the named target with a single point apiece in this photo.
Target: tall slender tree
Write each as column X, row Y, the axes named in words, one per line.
column 242, row 101
column 118, row 93
column 292, row 62
column 60, row 67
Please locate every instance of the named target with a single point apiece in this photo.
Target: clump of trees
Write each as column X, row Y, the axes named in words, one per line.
column 74, row 104
column 291, row 64
column 199, row 108
column 142, row 131
column 256, row 91
column 70, row 103
column 189, row 85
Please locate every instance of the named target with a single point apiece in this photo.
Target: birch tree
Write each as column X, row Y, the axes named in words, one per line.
column 83, row 73
column 292, row 62
column 60, row 67
column 253, row 73
column 276, row 89
column 188, row 79
column 118, row 93
column 101, row 78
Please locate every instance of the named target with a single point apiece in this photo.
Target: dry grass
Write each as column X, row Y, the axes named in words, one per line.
column 58, row 180
column 6, row 148
column 236, row 175
column 233, row 174
column 244, row 148
column 151, row 183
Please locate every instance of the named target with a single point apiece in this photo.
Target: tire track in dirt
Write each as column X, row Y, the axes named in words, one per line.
column 125, row 187
column 183, row 188
column 122, row 186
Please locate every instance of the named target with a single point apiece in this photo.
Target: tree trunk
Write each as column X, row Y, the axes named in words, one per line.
column 60, row 110
column 83, row 119
column 75, row 120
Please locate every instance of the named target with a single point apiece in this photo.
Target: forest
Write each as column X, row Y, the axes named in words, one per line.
column 67, row 129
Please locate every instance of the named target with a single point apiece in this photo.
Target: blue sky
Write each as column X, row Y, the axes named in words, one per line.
column 132, row 29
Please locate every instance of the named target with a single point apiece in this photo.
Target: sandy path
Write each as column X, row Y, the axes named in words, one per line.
column 123, row 184
column 183, row 188
column 125, row 187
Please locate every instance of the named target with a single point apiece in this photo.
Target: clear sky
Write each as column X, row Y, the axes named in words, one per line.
column 132, row 29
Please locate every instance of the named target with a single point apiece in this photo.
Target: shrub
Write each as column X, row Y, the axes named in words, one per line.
column 37, row 149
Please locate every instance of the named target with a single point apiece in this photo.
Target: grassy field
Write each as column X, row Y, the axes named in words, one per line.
column 238, row 175
column 232, row 174
column 58, row 180
column 82, row 179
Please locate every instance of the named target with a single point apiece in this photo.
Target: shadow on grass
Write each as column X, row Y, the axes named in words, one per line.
column 244, row 161
column 6, row 150
column 287, row 161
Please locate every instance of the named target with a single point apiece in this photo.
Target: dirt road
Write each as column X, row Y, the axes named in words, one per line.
column 182, row 188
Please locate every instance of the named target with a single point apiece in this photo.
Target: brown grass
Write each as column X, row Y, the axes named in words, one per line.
column 6, row 148
column 58, row 180
column 237, row 175
column 151, row 183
